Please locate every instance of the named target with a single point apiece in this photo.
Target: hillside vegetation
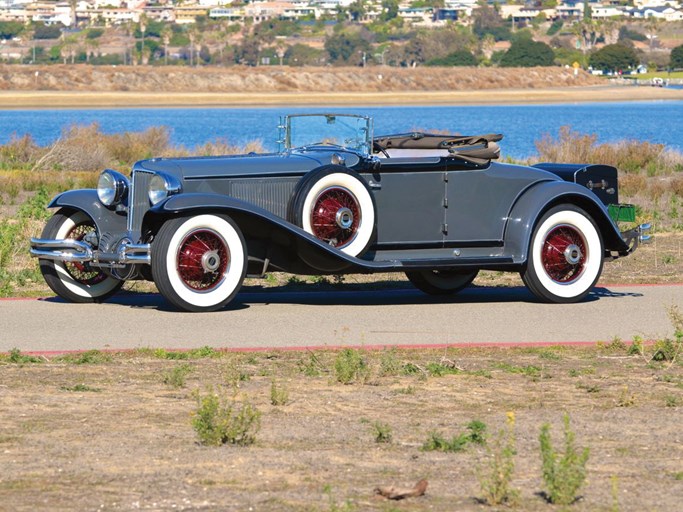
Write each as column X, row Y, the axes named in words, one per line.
column 276, row 79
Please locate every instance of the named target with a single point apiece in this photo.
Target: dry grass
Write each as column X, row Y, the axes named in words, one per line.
column 108, row 433
column 281, row 79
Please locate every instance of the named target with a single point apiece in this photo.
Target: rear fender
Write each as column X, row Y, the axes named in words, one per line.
column 107, row 220
column 540, row 198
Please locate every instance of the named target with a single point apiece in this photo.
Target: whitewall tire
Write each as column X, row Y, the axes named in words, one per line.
column 335, row 205
column 75, row 282
column 199, row 263
column 565, row 256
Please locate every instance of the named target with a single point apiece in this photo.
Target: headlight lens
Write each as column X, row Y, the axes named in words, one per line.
column 161, row 186
column 112, row 187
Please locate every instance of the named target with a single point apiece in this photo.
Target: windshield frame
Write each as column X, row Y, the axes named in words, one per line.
column 287, row 123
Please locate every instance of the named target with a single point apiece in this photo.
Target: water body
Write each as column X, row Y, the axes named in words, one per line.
column 522, row 125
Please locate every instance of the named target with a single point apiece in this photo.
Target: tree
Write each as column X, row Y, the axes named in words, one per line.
column 486, row 20
column 457, row 58
column 10, row 29
column 528, row 53
column 614, row 57
column 347, row 48
column 676, row 61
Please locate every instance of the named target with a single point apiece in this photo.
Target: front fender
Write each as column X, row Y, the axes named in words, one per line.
column 531, row 205
column 86, row 200
column 259, row 224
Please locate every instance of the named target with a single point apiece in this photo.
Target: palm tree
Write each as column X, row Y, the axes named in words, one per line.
column 166, row 34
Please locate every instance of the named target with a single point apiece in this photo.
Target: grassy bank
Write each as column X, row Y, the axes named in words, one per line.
column 320, row 431
column 650, row 177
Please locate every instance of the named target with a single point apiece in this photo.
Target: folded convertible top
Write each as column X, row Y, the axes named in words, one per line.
column 478, row 149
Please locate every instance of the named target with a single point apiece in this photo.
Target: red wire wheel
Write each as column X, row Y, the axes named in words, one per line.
column 564, row 254
column 82, row 272
column 203, row 259
column 335, row 216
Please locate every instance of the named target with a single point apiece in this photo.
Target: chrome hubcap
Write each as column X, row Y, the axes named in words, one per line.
column 211, row 261
column 344, row 218
column 573, row 254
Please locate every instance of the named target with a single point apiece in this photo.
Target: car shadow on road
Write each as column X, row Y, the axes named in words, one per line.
column 340, row 297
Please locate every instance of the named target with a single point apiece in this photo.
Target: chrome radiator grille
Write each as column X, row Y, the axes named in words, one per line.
column 270, row 194
column 138, row 202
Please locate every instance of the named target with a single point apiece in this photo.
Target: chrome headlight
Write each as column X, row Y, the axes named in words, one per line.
column 112, row 187
column 161, row 186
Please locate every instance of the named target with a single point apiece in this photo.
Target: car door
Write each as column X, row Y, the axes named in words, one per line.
column 409, row 194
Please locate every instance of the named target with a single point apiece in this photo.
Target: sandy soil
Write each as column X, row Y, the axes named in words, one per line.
column 59, row 99
column 113, row 436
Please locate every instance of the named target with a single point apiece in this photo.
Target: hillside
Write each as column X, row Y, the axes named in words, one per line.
column 239, row 79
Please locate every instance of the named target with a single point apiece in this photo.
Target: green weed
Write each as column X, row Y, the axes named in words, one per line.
column 528, row 370
column 278, row 394
column 563, row 473
column 389, row 363
column 672, row 401
column 311, row 366
column 219, row 421
column 16, row 357
column 350, row 366
column 87, row 357
column 176, row 376
column 382, row 432
column 81, row 388
column 495, row 478
column 437, row 442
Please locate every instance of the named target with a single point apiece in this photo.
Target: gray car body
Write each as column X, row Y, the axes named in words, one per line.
column 431, row 212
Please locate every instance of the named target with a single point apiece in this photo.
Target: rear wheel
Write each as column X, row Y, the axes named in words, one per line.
column 75, row 281
column 441, row 282
column 199, row 263
column 565, row 256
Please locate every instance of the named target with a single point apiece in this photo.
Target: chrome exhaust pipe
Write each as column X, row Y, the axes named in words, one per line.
column 61, row 250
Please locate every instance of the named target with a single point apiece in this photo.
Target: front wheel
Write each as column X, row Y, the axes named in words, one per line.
column 441, row 282
column 75, row 281
column 565, row 256
column 199, row 263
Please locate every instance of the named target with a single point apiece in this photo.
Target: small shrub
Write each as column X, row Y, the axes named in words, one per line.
column 636, row 347
column 383, row 432
column 278, row 395
column 437, row 442
column 311, row 366
column 350, row 366
column 87, row 357
column 563, row 473
column 233, row 374
column 389, row 364
column 16, row 357
column 626, row 398
column 496, row 478
column 218, row 421
column 672, row 401
column 176, row 376
column 81, row 388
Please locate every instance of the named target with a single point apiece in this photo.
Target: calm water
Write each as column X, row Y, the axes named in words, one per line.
column 660, row 122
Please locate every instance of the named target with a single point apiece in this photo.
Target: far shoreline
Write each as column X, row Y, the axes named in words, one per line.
column 70, row 100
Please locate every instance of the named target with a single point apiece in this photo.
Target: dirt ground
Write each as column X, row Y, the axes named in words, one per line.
column 105, row 432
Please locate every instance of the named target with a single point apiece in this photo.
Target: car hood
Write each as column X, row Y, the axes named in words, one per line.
column 251, row 165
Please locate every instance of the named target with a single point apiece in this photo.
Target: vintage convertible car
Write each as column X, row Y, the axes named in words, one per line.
column 336, row 200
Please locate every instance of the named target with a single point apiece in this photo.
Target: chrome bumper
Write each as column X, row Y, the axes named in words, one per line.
column 69, row 250
column 634, row 237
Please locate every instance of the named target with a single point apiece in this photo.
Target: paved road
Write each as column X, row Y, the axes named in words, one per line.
column 314, row 319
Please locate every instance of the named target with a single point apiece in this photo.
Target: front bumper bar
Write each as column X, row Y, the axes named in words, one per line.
column 69, row 251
